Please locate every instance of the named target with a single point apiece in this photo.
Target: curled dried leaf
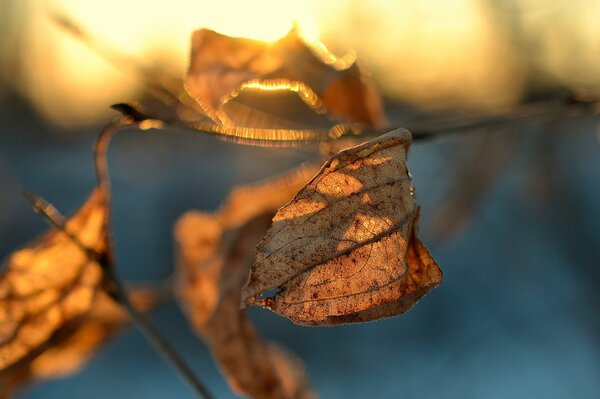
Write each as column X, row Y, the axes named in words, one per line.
column 345, row 248
column 51, row 283
column 222, row 67
column 215, row 253
column 256, row 92
column 69, row 355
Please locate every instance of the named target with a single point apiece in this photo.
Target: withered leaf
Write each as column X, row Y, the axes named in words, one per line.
column 51, row 283
column 223, row 66
column 73, row 347
column 215, row 253
column 255, row 92
column 345, row 248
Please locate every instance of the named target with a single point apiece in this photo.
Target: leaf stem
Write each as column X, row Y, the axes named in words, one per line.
column 55, row 219
column 101, row 147
column 114, row 287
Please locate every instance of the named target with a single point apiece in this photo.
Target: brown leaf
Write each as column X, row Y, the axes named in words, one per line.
column 74, row 346
column 345, row 249
column 51, row 283
column 222, row 66
column 215, row 253
column 104, row 320
column 69, row 355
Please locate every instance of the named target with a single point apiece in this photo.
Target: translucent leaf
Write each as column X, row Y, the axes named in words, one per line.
column 345, row 248
column 249, row 91
column 74, row 346
column 51, row 283
column 222, row 67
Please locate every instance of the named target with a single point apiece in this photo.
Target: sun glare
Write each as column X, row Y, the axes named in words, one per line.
column 425, row 52
column 76, row 84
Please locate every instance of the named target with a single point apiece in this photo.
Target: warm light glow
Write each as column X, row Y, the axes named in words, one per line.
column 72, row 84
column 430, row 53
column 305, row 93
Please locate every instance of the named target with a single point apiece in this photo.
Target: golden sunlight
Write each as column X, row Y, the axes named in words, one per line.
column 460, row 53
column 72, row 84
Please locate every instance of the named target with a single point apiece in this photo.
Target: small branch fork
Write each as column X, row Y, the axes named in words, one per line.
column 112, row 284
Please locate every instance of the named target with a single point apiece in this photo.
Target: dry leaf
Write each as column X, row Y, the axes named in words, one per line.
column 73, row 347
column 252, row 91
column 69, row 355
column 222, row 66
column 51, row 283
column 216, row 251
column 345, row 249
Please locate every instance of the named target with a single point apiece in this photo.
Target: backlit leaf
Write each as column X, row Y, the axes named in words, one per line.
column 256, row 92
column 74, row 346
column 345, row 248
column 51, row 283
column 222, row 67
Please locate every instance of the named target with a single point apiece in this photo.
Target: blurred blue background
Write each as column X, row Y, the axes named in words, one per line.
column 516, row 315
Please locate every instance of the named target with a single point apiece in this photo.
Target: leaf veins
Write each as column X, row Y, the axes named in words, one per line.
column 345, row 248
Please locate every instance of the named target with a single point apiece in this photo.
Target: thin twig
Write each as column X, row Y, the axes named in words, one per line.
column 115, row 288
column 542, row 109
column 117, row 291
column 170, row 92
column 155, row 338
column 54, row 218
column 112, row 284
column 101, row 148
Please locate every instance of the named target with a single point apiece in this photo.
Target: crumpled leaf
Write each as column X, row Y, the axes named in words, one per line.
column 215, row 253
column 51, row 283
column 345, row 248
column 223, row 66
column 74, row 346
column 253, row 92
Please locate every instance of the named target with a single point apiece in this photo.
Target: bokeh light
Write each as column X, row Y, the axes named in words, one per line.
column 467, row 54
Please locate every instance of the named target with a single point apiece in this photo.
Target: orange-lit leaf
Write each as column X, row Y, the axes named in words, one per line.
column 73, row 347
column 69, row 355
column 345, row 248
column 51, row 283
column 254, row 92
column 215, row 253
column 222, row 67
